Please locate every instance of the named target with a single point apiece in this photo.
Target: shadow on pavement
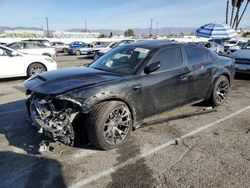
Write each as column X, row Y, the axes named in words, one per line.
column 22, row 78
column 242, row 76
column 16, row 127
column 19, row 170
column 85, row 57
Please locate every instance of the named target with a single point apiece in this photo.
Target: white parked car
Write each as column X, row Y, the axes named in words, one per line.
column 60, row 47
column 112, row 45
column 231, row 43
column 213, row 46
column 14, row 63
column 33, row 48
column 237, row 47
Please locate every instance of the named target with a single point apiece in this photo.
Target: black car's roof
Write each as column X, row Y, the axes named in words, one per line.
column 157, row 44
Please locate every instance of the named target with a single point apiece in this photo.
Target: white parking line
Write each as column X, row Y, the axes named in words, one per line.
column 13, row 111
column 153, row 150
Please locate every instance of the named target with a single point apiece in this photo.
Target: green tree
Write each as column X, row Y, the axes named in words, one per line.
column 236, row 17
column 246, row 34
column 103, row 36
column 129, row 33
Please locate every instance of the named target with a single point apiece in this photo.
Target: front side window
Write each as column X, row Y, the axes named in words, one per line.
column 169, row 58
column 16, row 46
column 247, row 46
column 122, row 60
column 194, row 55
column 5, row 52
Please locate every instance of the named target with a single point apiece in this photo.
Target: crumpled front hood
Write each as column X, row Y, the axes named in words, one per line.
column 60, row 81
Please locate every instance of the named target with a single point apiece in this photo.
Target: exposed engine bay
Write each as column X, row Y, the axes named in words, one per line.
column 53, row 117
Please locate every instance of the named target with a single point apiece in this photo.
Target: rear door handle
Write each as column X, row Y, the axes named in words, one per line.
column 184, row 77
column 137, row 87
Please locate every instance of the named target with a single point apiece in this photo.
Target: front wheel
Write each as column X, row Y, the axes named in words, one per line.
column 78, row 52
column 220, row 91
column 109, row 124
column 35, row 69
column 65, row 50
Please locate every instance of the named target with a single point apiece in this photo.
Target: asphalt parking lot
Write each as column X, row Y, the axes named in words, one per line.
column 207, row 150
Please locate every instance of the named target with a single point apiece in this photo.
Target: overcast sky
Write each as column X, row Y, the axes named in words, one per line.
column 113, row 14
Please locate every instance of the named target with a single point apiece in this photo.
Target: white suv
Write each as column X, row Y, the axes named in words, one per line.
column 33, row 48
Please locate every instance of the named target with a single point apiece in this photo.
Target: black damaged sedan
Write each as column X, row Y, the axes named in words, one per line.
column 108, row 99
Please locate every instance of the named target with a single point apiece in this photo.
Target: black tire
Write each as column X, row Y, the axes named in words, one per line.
column 78, row 52
column 65, row 50
column 35, row 69
column 104, row 131
column 220, row 91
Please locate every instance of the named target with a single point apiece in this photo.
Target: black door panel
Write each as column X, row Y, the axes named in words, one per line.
column 165, row 90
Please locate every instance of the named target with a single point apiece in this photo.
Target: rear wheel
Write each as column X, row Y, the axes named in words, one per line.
column 35, row 69
column 220, row 91
column 65, row 50
column 109, row 124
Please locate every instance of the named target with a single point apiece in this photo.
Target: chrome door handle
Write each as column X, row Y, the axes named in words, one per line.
column 137, row 87
column 184, row 77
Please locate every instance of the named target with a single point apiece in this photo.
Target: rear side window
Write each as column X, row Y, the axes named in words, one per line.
column 169, row 58
column 194, row 55
column 16, row 46
column 31, row 45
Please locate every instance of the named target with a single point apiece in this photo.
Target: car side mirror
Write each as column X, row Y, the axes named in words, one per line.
column 152, row 67
column 13, row 54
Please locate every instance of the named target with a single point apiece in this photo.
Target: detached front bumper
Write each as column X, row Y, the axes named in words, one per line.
column 51, row 122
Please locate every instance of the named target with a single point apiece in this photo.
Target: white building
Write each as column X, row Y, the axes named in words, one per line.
column 23, row 33
column 75, row 35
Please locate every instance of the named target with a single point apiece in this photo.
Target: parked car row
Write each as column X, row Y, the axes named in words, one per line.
column 242, row 59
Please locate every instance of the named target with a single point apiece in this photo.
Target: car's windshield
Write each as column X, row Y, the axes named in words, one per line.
column 122, row 60
column 246, row 46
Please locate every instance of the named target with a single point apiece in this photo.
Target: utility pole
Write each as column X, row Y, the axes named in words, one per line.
column 157, row 29
column 227, row 11
column 151, row 24
column 86, row 28
column 47, row 23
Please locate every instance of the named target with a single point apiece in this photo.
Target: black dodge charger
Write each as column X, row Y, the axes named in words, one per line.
column 112, row 96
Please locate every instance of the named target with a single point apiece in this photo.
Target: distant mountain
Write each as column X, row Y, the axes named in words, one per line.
column 138, row 31
column 102, row 31
column 143, row 31
column 165, row 30
column 247, row 28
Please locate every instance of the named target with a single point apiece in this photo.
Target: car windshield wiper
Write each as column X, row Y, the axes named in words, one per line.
column 99, row 69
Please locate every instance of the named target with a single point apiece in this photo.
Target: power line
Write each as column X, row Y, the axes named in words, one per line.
column 157, row 29
column 47, row 23
column 86, row 27
column 151, row 24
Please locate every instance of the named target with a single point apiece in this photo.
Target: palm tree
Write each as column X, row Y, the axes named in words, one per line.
column 242, row 14
column 236, row 18
column 234, row 4
column 227, row 11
